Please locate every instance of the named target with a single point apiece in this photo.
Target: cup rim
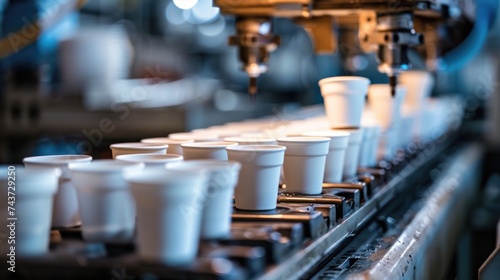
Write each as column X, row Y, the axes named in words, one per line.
column 138, row 146
column 165, row 140
column 106, row 166
column 56, row 159
column 217, row 131
column 193, row 136
column 370, row 131
column 149, row 158
column 28, row 173
column 208, row 145
column 268, row 134
column 355, row 134
column 249, row 139
column 304, row 139
column 208, row 164
column 349, row 130
column 342, row 79
column 256, row 148
column 327, row 133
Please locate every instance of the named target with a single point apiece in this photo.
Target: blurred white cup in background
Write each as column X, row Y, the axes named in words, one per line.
column 336, row 155
column 30, row 193
column 106, row 205
column 174, row 145
column 137, row 148
column 216, row 212
column 65, row 212
column 206, row 150
column 152, row 160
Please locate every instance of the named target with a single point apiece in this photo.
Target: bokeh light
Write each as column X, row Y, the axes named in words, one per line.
column 204, row 11
column 185, row 4
column 214, row 28
column 174, row 15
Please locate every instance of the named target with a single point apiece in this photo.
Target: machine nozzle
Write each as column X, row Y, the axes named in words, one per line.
column 393, row 82
column 252, row 85
column 255, row 41
column 394, row 35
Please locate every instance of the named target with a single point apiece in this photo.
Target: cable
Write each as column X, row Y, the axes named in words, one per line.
column 472, row 45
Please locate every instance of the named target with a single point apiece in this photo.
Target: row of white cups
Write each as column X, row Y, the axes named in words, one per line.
column 172, row 191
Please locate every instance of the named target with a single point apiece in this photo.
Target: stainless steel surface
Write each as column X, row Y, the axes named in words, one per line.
column 462, row 168
column 424, row 248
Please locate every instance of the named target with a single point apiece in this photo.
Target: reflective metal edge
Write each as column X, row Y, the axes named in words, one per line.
column 425, row 247
column 303, row 260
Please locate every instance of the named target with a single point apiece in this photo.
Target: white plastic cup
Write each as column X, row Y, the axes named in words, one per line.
column 436, row 118
column 385, row 107
column 169, row 213
column 196, row 137
column 364, row 150
column 304, row 163
column 206, row 150
column 137, row 148
column 216, row 211
column 94, row 55
column 258, row 183
column 426, row 123
column 174, row 146
column 65, row 211
column 30, row 193
column 351, row 162
column 106, row 205
column 336, row 155
column 221, row 133
column 257, row 140
column 419, row 86
column 369, row 148
column 344, row 99
column 265, row 134
column 369, row 145
column 152, row 160
column 408, row 121
column 374, row 144
column 389, row 142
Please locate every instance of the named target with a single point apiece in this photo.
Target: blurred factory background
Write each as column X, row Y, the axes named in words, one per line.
column 76, row 76
column 149, row 68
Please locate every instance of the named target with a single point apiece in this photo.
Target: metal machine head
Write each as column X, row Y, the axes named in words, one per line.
column 255, row 41
column 393, row 35
column 388, row 30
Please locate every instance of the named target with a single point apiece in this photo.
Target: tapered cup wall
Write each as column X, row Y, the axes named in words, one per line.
column 344, row 99
column 258, row 183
